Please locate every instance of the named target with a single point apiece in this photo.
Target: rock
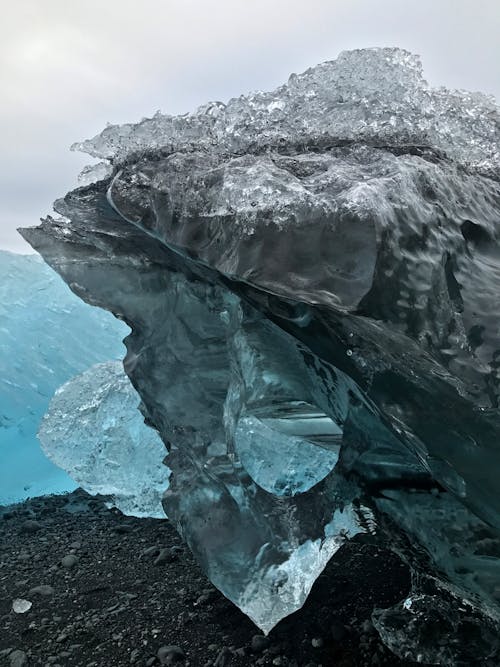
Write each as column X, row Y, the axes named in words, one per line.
column 368, row 627
column 44, row 590
column 122, row 529
column 150, row 552
column 18, row 658
column 30, row 526
column 280, row 661
column 222, row 658
column 240, row 652
column 165, row 556
column 317, row 642
column 202, row 599
column 69, row 561
column 134, row 656
column 259, row 643
column 169, row 655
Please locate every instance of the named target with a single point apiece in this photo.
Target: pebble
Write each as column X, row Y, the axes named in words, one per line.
column 259, row 643
column 69, row 561
column 205, row 597
column 165, row 556
column 134, row 656
column 44, row 589
column 169, row 655
column 275, row 649
column 222, row 658
column 18, row 658
column 280, row 661
column 150, row 552
column 30, row 526
column 368, row 627
column 122, row 529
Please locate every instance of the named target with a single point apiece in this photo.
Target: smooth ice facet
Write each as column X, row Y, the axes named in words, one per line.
column 279, row 459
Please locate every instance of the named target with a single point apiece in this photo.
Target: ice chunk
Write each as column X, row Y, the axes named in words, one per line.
column 334, row 245
column 20, row 606
column 281, row 453
column 95, row 432
column 378, row 96
column 47, row 336
column 438, row 629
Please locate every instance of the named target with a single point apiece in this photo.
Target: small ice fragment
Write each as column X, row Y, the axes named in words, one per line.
column 20, row 606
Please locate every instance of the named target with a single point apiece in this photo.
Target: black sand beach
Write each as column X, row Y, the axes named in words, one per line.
column 109, row 590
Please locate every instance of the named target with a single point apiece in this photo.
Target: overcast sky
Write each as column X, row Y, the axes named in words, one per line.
column 69, row 66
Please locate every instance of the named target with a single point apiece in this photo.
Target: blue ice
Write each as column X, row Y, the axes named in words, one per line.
column 47, row 335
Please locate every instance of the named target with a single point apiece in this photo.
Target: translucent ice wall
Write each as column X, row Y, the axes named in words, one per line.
column 47, row 335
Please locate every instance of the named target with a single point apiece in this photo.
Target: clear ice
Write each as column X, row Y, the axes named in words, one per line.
column 47, row 335
column 311, row 277
column 95, row 432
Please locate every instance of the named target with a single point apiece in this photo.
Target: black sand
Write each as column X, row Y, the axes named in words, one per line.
column 122, row 599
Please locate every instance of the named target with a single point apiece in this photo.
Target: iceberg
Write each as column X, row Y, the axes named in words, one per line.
column 310, row 276
column 47, row 336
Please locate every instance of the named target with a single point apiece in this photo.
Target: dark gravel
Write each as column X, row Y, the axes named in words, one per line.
column 109, row 590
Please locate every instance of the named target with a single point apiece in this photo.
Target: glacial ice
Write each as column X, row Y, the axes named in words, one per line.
column 47, row 335
column 95, row 432
column 324, row 255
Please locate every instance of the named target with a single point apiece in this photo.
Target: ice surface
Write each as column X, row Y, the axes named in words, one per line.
column 297, row 463
column 47, row 335
column 377, row 96
column 420, row 627
column 20, row 606
column 95, row 432
column 324, row 255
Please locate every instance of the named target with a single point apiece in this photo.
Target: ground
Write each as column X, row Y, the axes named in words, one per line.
column 130, row 587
